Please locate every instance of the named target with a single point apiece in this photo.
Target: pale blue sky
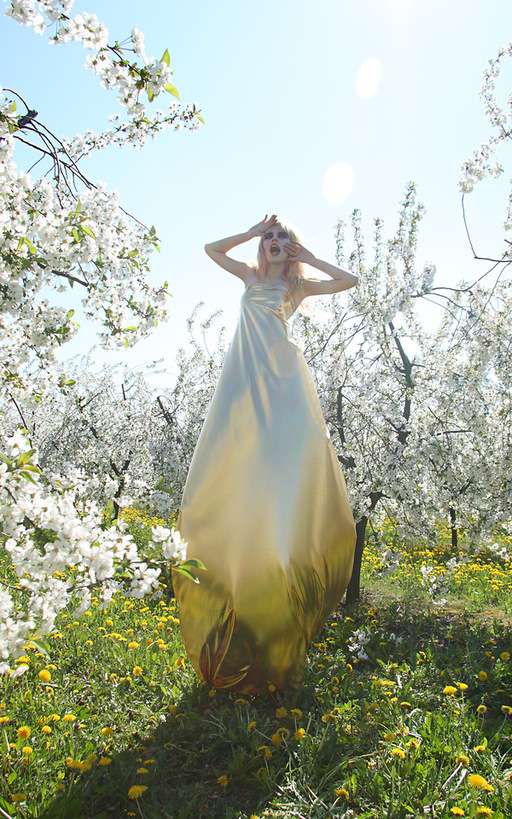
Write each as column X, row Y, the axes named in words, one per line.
column 277, row 86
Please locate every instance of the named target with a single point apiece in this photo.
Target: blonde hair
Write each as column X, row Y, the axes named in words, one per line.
column 293, row 271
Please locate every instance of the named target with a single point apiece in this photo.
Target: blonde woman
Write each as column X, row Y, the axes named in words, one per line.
column 265, row 504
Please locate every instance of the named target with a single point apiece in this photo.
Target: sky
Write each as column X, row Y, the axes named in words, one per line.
column 312, row 108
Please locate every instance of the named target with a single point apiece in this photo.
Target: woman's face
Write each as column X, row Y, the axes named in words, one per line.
column 275, row 238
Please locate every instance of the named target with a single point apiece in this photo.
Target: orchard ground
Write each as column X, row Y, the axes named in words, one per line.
column 406, row 708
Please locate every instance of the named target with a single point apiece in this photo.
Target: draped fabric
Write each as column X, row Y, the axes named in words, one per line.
column 265, row 507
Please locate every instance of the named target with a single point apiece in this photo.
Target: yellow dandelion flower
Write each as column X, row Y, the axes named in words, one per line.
column 463, row 759
column 104, row 760
column 456, row 811
column 107, row 731
column 142, row 770
column 296, row 712
column 271, row 687
column 46, row 729
column 479, row 782
column 3, row 720
column 398, row 752
column 281, row 713
column 136, row 790
column 342, row 792
column 388, row 736
column 27, row 750
column 505, row 656
column 18, row 797
column 137, row 671
column 449, row 690
column 133, row 644
column 479, row 748
column 44, row 675
column 251, row 726
column 462, row 686
column 483, row 810
column 150, row 761
column 300, row 733
column 24, row 732
column 481, row 709
column 266, row 750
column 482, row 676
column 276, row 739
column 413, row 743
column 507, row 710
column 223, row 780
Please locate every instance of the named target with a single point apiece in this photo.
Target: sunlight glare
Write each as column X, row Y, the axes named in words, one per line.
column 369, row 78
column 338, row 182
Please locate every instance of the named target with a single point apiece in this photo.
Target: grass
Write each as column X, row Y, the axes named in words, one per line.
column 420, row 724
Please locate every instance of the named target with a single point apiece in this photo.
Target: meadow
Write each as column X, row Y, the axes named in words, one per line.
column 406, row 708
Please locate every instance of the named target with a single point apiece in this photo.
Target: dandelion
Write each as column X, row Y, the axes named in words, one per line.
column 18, row 797
column 463, row 759
column 136, row 790
column 507, row 710
column 296, row 712
column 483, row 810
column 24, row 732
column 456, row 811
column 462, row 686
column 69, row 718
column 266, row 750
column 300, row 734
column 136, row 671
column 142, row 770
column 478, row 782
column 481, row 709
column 505, row 656
column 107, row 731
column 133, row 644
column 281, row 713
column 223, row 780
column 5, row 719
column 276, row 739
column 251, row 726
column 479, row 748
column 449, row 690
column 46, row 729
column 104, row 760
column 27, row 750
column 398, row 752
column 482, row 676
column 44, row 675
column 341, row 792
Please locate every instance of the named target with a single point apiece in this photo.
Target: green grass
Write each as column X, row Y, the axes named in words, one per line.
column 376, row 737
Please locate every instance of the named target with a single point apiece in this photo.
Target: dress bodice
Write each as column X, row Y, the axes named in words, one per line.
column 274, row 294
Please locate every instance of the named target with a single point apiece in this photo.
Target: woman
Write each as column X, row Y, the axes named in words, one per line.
column 265, row 505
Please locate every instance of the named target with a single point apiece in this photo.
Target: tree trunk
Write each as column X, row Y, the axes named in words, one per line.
column 354, row 586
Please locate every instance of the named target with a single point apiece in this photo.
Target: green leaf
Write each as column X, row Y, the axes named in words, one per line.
column 199, row 117
column 76, row 236
column 150, row 94
column 166, row 57
column 89, row 231
column 194, row 561
column 171, row 89
column 12, row 107
column 181, row 570
column 70, row 313
column 24, row 458
column 27, row 476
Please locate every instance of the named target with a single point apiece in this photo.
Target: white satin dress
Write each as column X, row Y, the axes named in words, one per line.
column 265, row 507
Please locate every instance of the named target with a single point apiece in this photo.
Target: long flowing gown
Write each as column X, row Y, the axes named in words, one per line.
column 265, row 507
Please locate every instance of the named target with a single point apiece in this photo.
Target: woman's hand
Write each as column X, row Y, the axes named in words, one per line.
column 298, row 253
column 261, row 227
